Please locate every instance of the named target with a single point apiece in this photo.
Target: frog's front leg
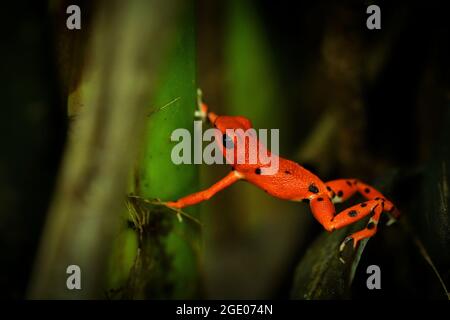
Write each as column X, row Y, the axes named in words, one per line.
column 200, row 196
column 203, row 112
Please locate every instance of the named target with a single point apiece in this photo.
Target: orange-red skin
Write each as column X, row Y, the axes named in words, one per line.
column 295, row 183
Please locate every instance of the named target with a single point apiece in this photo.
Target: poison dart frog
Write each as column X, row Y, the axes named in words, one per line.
column 295, row 183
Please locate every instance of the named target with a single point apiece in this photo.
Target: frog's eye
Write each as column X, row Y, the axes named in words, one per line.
column 227, row 141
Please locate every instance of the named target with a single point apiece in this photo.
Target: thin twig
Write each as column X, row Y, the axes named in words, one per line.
column 164, row 106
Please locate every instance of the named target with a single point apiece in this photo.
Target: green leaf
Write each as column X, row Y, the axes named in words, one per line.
column 321, row 274
column 110, row 92
column 166, row 263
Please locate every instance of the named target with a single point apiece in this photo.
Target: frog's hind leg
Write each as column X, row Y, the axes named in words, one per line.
column 367, row 232
column 342, row 189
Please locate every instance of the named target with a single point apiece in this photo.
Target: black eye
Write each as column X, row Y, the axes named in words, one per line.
column 227, row 142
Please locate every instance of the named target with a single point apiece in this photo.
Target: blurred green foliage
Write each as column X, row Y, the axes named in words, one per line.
column 166, row 259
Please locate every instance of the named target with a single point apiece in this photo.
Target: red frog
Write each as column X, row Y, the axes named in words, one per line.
column 293, row 182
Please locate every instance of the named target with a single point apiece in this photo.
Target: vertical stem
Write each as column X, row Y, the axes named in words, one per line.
column 126, row 50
